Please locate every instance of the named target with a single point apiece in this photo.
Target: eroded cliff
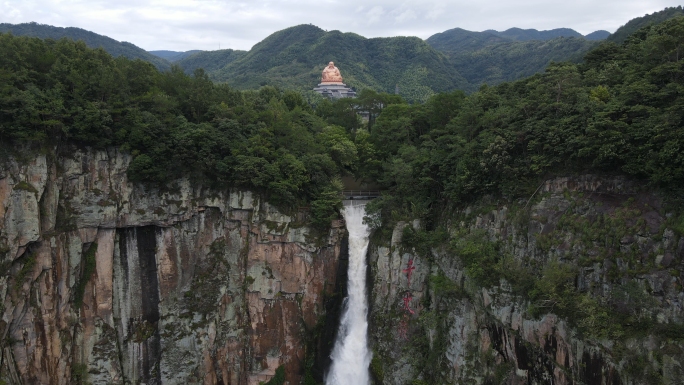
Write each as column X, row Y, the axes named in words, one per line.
column 582, row 284
column 108, row 282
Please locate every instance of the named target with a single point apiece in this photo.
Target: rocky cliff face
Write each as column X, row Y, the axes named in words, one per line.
column 106, row 282
column 508, row 317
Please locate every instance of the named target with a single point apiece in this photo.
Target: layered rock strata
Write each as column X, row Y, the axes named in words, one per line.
column 108, row 282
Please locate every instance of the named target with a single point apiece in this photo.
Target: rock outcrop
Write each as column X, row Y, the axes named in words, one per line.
column 108, row 282
column 446, row 326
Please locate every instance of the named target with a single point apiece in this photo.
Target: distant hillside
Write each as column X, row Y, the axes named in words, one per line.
column 91, row 39
column 211, row 61
column 173, row 56
column 493, row 57
column 633, row 25
column 457, row 39
column 597, row 35
column 295, row 57
column 508, row 61
column 518, row 34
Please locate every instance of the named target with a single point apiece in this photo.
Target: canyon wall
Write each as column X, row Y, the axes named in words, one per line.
column 103, row 281
column 444, row 314
column 107, row 282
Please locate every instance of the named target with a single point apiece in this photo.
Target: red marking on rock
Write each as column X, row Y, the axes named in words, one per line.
column 409, row 270
column 407, row 301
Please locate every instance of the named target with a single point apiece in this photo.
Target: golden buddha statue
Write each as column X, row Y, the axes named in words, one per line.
column 331, row 74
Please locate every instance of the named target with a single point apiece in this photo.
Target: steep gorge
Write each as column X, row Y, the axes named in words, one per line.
column 105, row 282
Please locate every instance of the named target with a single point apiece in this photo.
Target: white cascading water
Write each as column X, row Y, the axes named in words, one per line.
column 350, row 356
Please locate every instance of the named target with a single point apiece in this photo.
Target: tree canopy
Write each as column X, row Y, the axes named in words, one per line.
column 270, row 141
column 620, row 112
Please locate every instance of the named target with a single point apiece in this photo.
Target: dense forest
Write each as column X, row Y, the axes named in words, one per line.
column 61, row 93
column 618, row 111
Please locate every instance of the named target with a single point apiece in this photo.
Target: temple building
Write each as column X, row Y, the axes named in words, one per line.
column 331, row 85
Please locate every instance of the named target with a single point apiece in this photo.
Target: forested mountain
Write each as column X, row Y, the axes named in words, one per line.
column 492, row 57
column 458, row 40
column 91, row 39
column 519, row 34
column 597, row 35
column 509, row 61
column 210, row 61
column 651, row 19
column 173, row 56
column 295, row 57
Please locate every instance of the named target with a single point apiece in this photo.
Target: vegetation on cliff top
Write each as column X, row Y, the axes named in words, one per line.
column 620, row 111
column 61, row 92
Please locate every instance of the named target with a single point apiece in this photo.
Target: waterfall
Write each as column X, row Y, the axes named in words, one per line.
column 350, row 356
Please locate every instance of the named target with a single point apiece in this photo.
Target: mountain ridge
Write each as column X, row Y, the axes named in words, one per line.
column 492, row 57
column 519, row 34
column 174, row 56
column 91, row 39
column 295, row 57
column 639, row 22
column 210, row 61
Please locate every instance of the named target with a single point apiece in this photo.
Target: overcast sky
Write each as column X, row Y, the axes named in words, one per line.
column 205, row 24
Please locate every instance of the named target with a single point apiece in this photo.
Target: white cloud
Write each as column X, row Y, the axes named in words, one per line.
column 406, row 15
column 374, row 15
column 204, row 24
